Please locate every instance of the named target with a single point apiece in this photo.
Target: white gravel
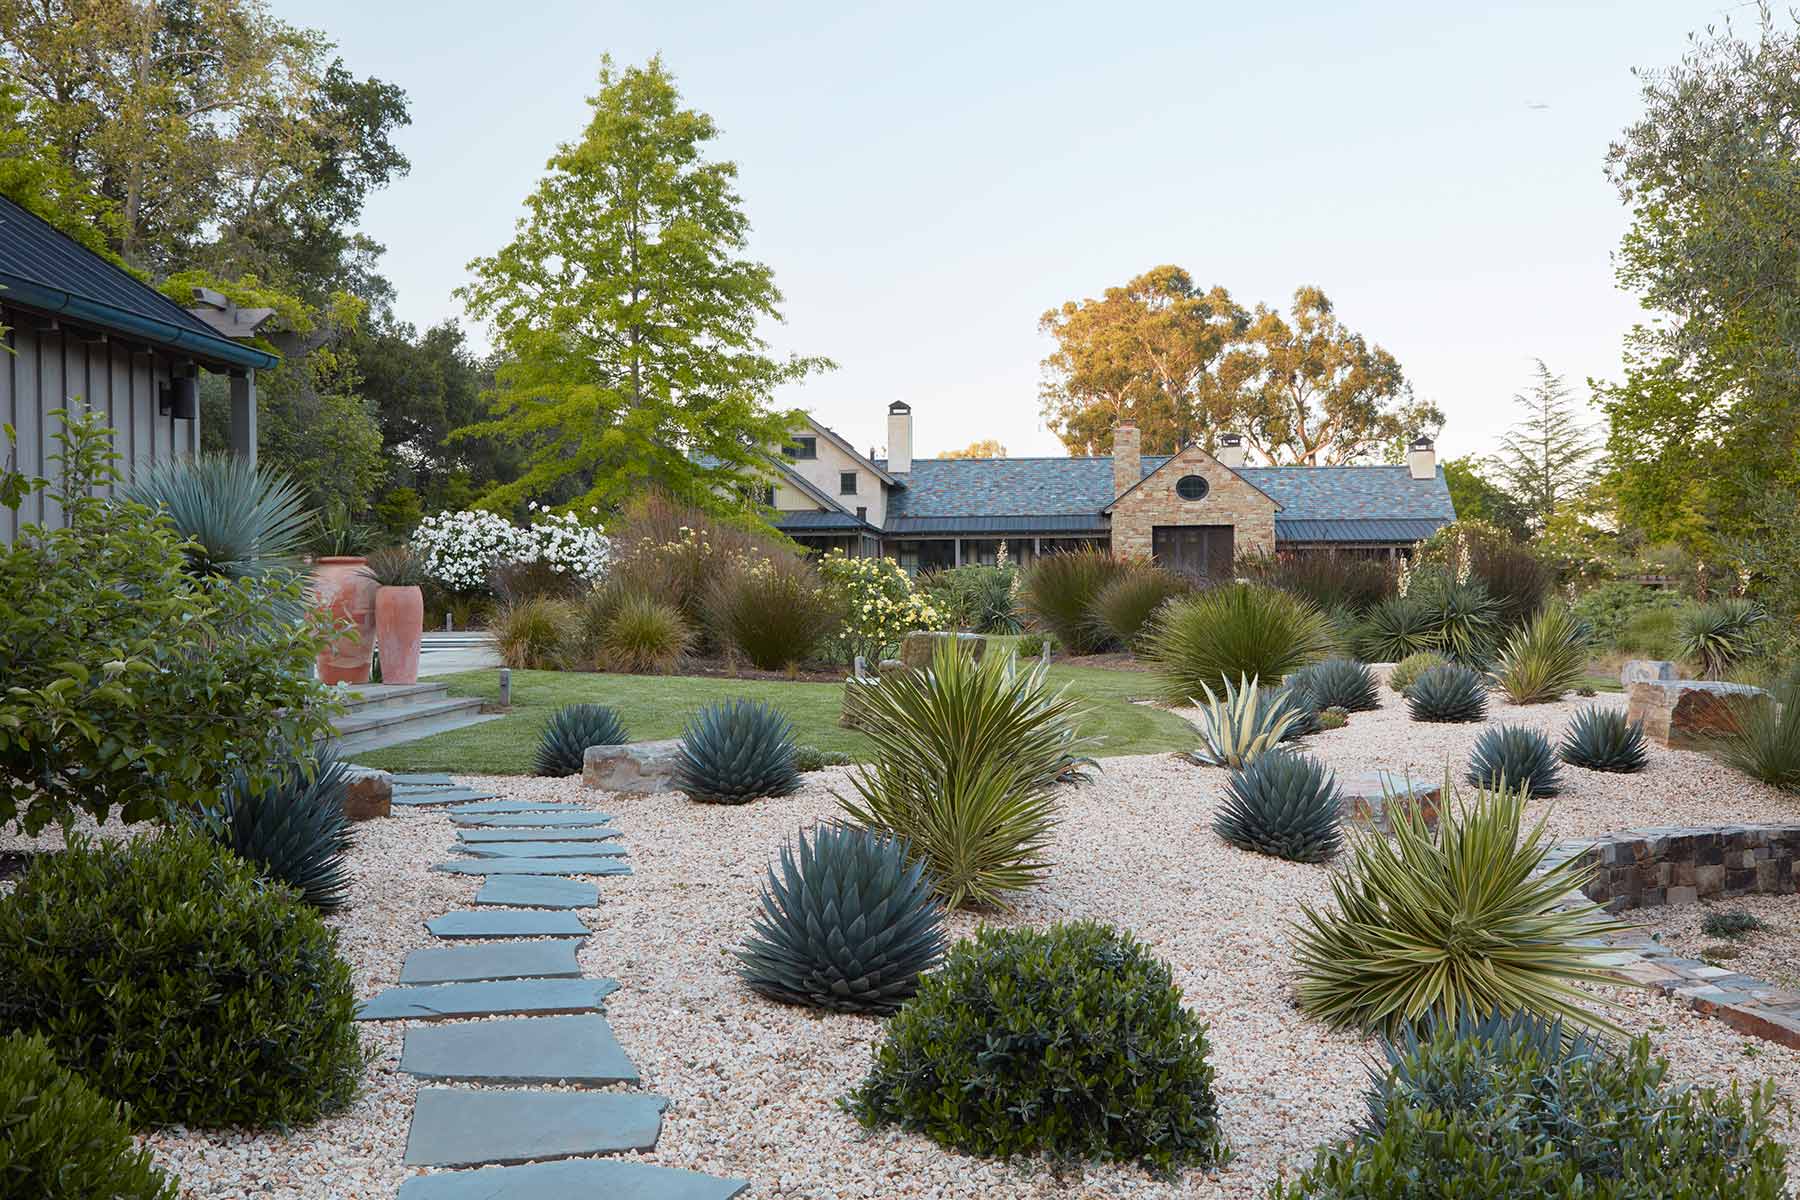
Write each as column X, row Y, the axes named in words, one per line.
column 754, row 1085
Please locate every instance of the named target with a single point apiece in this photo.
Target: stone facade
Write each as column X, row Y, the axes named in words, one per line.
column 1687, row 714
column 1642, row 868
column 1229, row 501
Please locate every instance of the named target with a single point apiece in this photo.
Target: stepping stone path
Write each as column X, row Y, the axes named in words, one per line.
column 545, row 1024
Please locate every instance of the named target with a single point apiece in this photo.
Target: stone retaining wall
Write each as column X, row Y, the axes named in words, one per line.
column 1641, row 868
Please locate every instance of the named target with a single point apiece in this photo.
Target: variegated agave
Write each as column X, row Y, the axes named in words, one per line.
column 1245, row 724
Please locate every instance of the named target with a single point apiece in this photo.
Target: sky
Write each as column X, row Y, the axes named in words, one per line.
column 927, row 179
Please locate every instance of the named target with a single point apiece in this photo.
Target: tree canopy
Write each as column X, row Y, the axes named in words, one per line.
column 1545, row 462
column 984, row 448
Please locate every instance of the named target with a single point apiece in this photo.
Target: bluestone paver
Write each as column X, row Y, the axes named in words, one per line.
column 542, row 850
column 519, row 806
column 444, row 1001
column 535, row 891
column 499, row 923
column 507, row 960
column 430, row 797
column 458, row 1127
column 591, row 864
column 484, row 837
column 541, row 820
column 579, row 1051
column 580, row 1177
column 416, row 779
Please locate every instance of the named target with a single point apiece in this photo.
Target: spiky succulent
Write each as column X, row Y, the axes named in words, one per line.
column 1340, row 683
column 1244, row 724
column 1510, row 757
column 1448, row 694
column 291, row 826
column 1299, row 700
column 570, row 731
column 1601, row 739
column 736, row 751
column 846, row 924
column 1283, row 804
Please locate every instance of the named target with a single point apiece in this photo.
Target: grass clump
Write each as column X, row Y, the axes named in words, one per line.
column 775, row 612
column 1058, row 591
column 1765, row 740
column 1234, row 631
column 1123, row 610
column 535, row 633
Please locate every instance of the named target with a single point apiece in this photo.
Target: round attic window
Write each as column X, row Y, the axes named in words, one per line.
column 1192, row 487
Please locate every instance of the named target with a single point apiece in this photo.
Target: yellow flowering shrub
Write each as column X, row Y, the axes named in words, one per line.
column 879, row 603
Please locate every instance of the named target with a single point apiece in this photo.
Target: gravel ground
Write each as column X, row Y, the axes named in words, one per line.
column 1771, row 954
column 754, row 1085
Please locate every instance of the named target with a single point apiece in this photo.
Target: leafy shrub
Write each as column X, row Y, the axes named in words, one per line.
column 1123, row 609
column 811, row 758
column 1508, row 757
column 1333, row 718
column 1545, row 658
column 1408, row 669
column 1447, row 695
column 1242, row 727
column 1398, row 628
column 1033, row 645
column 291, row 826
column 535, row 634
column 130, row 684
column 1608, row 607
column 1282, row 804
column 1654, row 633
column 968, row 758
column 1058, row 593
column 60, row 1141
column 1235, row 630
column 568, row 733
column 642, row 635
column 1720, row 634
column 736, row 751
column 1328, row 578
column 1509, row 1115
column 1765, row 741
column 1730, row 923
column 846, row 924
column 1339, row 683
column 241, row 520
column 879, row 603
column 174, row 979
column 1431, row 924
column 976, row 598
column 776, row 612
column 1600, row 739
column 1070, row 1041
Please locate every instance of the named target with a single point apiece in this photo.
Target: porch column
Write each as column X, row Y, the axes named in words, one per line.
column 957, row 561
column 243, row 414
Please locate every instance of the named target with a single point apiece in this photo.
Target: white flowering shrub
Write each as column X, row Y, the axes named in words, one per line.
column 879, row 602
column 461, row 549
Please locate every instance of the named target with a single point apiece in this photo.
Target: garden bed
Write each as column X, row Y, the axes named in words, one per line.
column 1771, row 953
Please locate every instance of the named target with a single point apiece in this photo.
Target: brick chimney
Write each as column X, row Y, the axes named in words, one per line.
column 1127, row 466
column 1232, row 452
column 899, row 447
column 1421, row 458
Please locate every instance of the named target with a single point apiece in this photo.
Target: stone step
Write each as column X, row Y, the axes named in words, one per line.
column 412, row 729
column 490, row 837
column 446, row 1001
column 520, row 806
column 578, row 1051
column 432, row 797
column 508, row 960
column 575, row 1177
column 537, row 891
column 370, row 697
column 500, row 924
column 531, row 820
column 363, row 720
column 592, row 864
column 540, row 850
column 458, row 1127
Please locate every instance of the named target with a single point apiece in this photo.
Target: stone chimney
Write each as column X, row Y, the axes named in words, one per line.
column 1421, row 458
column 1232, row 452
column 899, row 447
column 1127, row 465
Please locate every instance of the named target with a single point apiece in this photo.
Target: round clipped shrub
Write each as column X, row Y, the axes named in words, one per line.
column 1408, row 669
column 175, row 979
column 1448, row 695
column 1339, row 683
column 1510, row 757
column 1069, row 1041
column 570, row 731
column 1282, row 804
column 59, row 1140
column 736, row 751
column 1601, row 739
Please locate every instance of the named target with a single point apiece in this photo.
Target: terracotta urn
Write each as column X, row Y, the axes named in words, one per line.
column 347, row 595
column 399, row 624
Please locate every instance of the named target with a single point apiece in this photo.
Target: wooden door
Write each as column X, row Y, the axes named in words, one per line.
column 1197, row 551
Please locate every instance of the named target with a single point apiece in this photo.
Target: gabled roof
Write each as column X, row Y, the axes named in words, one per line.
column 1349, row 493
column 1002, row 487
column 837, row 439
column 811, row 490
column 44, row 269
column 1148, row 469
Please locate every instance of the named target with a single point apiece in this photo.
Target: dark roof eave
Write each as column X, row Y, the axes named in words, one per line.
column 205, row 347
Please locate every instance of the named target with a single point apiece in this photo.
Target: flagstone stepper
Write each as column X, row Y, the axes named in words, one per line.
column 541, row 820
column 485, row 837
column 459, row 1127
column 537, row 891
column 578, row 1177
column 591, row 864
column 414, row 779
column 434, row 797
column 541, row 850
column 508, row 960
column 519, row 806
column 577, row 1051
column 446, row 1001
column 504, row 924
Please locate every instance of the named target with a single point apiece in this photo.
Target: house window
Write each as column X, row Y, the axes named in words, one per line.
column 768, row 495
column 1192, row 487
column 846, row 483
column 802, row 447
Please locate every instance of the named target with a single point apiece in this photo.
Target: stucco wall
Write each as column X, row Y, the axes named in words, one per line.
column 1229, row 501
column 822, row 472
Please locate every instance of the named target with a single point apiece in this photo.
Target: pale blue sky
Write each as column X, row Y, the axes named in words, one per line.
column 926, row 179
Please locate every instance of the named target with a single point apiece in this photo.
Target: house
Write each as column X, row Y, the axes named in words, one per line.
column 79, row 327
column 1193, row 511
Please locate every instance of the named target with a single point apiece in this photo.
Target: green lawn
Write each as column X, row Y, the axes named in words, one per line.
column 657, row 706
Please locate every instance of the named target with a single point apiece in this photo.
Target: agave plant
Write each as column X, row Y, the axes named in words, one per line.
column 1408, row 669
column 968, row 759
column 1720, row 634
column 244, row 520
column 1448, row 694
column 1600, row 739
column 1508, row 757
column 1544, row 659
column 570, row 731
column 847, row 924
column 736, row 751
column 1285, row 805
column 1468, row 918
column 292, row 826
column 1235, row 731
column 1395, row 629
column 1340, row 683
column 1234, row 631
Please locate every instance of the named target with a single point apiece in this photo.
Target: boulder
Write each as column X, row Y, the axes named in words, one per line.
column 633, row 767
column 1687, row 714
column 851, row 714
column 368, row 793
column 1372, row 797
column 1646, row 670
column 918, row 647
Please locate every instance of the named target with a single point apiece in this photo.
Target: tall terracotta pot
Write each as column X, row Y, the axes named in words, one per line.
column 399, row 624
column 346, row 594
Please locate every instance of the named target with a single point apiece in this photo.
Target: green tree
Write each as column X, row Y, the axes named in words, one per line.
column 1546, row 462
column 34, row 178
column 985, row 448
column 1478, row 498
column 626, row 315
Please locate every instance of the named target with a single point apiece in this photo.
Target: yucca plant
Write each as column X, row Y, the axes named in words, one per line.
column 245, row 520
column 1058, row 590
column 736, row 751
column 1510, row 757
column 1448, row 694
column 1720, row 634
column 1545, row 658
column 642, row 635
column 1123, row 610
column 1339, row 683
column 1408, row 669
column 1600, row 739
column 1285, row 805
column 1234, row 631
column 775, row 612
column 570, row 731
column 535, row 634
column 292, row 828
column 1765, row 743
column 1466, row 918
column 1466, row 619
column 1244, row 725
column 1395, row 629
column 968, row 761
column 847, row 924
column 396, row 566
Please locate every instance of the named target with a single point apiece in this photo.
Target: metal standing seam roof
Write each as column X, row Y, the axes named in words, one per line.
column 791, row 521
column 1362, row 530
column 42, row 268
